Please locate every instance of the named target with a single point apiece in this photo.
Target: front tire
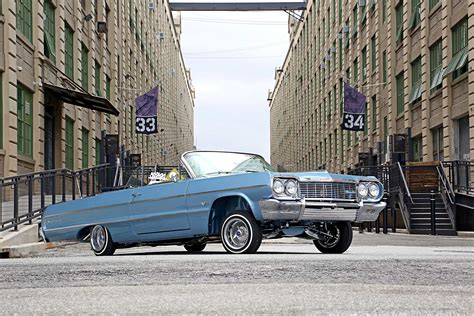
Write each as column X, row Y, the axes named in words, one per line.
column 240, row 233
column 101, row 241
column 340, row 241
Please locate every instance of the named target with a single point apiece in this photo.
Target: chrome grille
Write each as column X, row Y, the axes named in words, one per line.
column 328, row 190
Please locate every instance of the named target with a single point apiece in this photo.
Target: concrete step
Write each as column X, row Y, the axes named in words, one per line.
column 444, row 232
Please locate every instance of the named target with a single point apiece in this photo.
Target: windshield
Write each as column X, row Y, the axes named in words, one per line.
column 211, row 163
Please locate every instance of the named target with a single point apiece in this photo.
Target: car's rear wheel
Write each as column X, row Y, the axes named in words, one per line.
column 240, row 233
column 195, row 247
column 101, row 241
column 337, row 238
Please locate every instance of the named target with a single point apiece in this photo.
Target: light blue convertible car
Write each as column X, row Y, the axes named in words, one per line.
column 235, row 198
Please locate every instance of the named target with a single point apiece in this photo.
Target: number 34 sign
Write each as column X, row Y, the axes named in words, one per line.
column 146, row 125
column 353, row 121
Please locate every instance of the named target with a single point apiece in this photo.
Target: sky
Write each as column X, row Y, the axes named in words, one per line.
column 232, row 57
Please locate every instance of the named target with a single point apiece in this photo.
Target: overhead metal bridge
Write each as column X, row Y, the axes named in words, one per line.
column 238, row 6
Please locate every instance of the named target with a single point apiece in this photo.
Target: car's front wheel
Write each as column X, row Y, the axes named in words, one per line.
column 240, row 233
column 337, row 238
column 101, row 241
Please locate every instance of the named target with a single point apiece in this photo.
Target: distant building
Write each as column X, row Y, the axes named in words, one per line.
column 410, row 58
column 65, row 63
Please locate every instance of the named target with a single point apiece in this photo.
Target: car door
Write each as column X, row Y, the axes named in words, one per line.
column 159, row 210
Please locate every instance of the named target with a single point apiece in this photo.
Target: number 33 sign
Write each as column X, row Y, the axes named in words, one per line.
column 146, row 125
column 353, row 121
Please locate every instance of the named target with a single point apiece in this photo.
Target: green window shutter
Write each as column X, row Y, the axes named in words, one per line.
column 415, row 14
column 349, row 138
column 24, row 21
column 364, row 15
column 366, row 119
column 69, row 51
column 356, row 70
column 458, row 64
column 341, row 145
column 97, row 78
column 85, row 67
column 364, row 63
column 374, row 113
column 433, row 3
column 341, row 96
column 24, row 121
column 373, row 53
column 400, row 93
column 384, row 67
column 415, row 80
column 69, row 144
column 385, row 134
column 384, row 10
column 49, row 31
column 399, row 23
column 333, row 8
column 132, row 126
column 340, row 54
column 372, row 5
column 355, row 22
column 436, row 70
column 85, row 148
column 97, row 151
column 107, row 87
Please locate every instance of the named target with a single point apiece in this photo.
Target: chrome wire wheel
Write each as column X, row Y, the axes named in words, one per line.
column 332, row 237
column 237, row 233
column 240, row 233
column 101, row 241
column 98, row 238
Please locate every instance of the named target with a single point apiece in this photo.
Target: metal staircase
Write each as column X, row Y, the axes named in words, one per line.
column 421, row 215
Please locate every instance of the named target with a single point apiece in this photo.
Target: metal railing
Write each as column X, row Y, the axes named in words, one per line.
column 24, row 197
column 447, row 194
column 400, row 191
column 461, row 175
column 380, row 172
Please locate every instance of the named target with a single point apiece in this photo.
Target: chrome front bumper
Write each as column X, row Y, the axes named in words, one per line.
column 320, row 211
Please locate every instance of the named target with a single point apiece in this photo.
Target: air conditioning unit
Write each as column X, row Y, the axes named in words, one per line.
column 151, row 6
column 345, row 29
column 339, row 35
column 101, row 27
column 361, row 3
column 161, row 36
column 333, row 49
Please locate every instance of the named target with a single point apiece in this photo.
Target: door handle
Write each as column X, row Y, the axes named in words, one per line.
column 136, row 195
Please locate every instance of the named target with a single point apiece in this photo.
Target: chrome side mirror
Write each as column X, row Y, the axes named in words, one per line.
column 174, row 176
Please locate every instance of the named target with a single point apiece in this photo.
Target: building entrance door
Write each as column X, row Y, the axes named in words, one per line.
column 463, row 151
column 49, row 162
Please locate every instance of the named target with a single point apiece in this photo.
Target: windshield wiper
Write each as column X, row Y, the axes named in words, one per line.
column 217, row 172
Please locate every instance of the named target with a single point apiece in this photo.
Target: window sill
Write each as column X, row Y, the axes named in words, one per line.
column 415, row 29
column 434, row 10
column 398, row 46
column 435, row 93
column 2, row 152
column 460, row 78
column 25, row 41
column 416, row 104
column 28, row 160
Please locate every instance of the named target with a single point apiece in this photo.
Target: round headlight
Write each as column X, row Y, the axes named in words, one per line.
column 374, row 190
column 362, row 190
column 278, row 187
column 291, row 187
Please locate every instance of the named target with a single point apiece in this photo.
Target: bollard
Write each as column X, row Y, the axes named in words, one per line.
column 377, row 225
column 433, row 212
column 394, row 220
column 385, row 228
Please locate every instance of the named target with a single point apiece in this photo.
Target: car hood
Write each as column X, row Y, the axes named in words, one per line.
column 323, row 176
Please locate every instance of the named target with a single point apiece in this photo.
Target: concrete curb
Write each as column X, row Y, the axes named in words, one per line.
column 25, row 250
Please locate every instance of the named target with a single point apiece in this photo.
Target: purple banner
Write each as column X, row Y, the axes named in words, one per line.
column 354, row 101
column 147, row 103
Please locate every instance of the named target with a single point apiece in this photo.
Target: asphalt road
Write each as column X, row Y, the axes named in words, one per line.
column 379, row 275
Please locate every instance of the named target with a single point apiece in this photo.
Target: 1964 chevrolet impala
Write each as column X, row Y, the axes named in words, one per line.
column 233, row 197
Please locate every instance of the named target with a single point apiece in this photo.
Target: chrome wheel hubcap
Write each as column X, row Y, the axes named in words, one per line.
column 331, row 241
column 236, row 233
column 98, row 238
